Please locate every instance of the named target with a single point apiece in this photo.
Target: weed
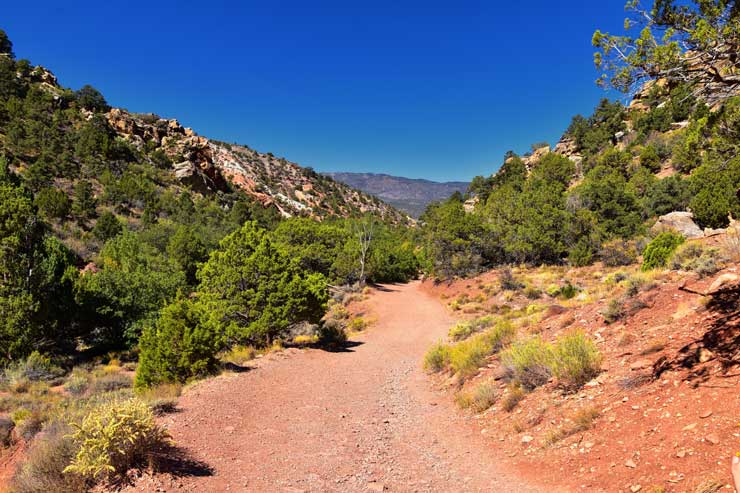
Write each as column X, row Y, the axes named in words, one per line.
column 508, row 282
column 693, row 257
column 239, row 355
column 357, row 324
column 583, row 420
column 528, row 362
column 614, row 311
column 576, row 359
column 513, row 398
column 113, row 437
column 483, row 396
column 111, row 383
column 465, row 329
column 437, row 358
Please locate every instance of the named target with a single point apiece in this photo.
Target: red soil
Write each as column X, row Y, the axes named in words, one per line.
column 362, row 419
column 668, row 397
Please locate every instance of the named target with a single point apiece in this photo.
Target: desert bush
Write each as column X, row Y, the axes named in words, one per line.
column 576, row 359
column 482, row 397
column 332, row 332
column 468, row 356
column 500, row 336
column 464, row 330
column 77, row 383
column 582, row 420
column 161, row 399
column 239, row 355
column 437, row 357
column 43, row 469
column 617, row 253
column 357, row 324
column 532, row 293
column 111, row 382
column 513, row 398
column 36, row 367
column 508, row 282
column 693, row 257
column 113, row 437
column 658, row 251
column 614, row 311
column 528, row 362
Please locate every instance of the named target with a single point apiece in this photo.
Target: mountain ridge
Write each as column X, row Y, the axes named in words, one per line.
column 411, row 195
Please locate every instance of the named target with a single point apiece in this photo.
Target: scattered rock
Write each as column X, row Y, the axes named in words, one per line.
column 641, row 364
column 705, row 355
column 689, row 427
column 630, row 463
column 682, row 222
column 527, row 439
column 705, row 414
column 712, row 438
column 373, row 486
column 681, row 454
column 635, row 488
column 723, row 282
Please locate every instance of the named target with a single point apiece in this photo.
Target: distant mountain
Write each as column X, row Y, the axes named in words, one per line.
column 409, row 195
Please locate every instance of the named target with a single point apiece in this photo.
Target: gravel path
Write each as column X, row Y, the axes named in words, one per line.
column 365, row 419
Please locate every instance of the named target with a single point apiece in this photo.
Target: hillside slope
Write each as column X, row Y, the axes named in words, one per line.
column 407, row 194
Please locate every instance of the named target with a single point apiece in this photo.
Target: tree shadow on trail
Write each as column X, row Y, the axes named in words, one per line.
column 345, row 347
column 386, row 288
column 233, row 367
column 720, row 342
column 178, row 463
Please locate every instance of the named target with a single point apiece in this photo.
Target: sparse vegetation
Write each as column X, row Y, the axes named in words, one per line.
column 658, row 251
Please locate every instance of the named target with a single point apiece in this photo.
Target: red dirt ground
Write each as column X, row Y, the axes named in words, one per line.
column 363, row 419
column 668, row 397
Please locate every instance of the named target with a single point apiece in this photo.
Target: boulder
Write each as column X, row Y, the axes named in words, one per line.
column 723, row 282
column 681, row 222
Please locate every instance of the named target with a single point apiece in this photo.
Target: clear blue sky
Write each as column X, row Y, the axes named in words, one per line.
column 436, row 90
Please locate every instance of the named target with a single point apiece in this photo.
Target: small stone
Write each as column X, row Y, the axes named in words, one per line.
column 689, row 427
column 712, row 438
column 705, row 355
column 379, row 487
column 527, row 439
column 635, row 488
column 630, row 463
column 705, row 414
column 681, row 454
column 641, row 364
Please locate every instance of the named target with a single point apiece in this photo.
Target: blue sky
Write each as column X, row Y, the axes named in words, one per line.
column 437, row 90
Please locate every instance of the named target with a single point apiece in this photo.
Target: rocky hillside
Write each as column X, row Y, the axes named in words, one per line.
column 407, row 194
column 208, row 165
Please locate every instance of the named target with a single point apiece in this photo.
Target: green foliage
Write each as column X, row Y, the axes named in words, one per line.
column 90, row 98
column 576, row 359
column 658, row 251
column 437, row 357
column 650, row 159
column 180, row 346
column 528, row 362
column 592, row 134
column 52, row 203
column 83, row 205
column 133, row 284
column 617, row 253
column 256, row 291
column 108, row 226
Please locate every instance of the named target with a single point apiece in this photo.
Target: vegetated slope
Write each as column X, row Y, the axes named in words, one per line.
column 657, row 411
column 407, row 194
column 210, row 165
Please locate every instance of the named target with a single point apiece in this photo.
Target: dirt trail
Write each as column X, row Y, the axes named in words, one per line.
column 365, row 419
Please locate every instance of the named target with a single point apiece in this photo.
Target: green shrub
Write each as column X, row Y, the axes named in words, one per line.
column 532, row 293
column 576, row 359
column 658, row 251
column 528, row 362
column 107, row 227
column 437, row 357
column 650, row 159
column 464, row 330
column 181, row 346
column 113, row 437
column 469, row 355
column 693, row 257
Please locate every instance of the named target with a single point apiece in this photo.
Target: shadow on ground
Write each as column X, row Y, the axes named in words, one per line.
column 721, row 342
column 178, row 463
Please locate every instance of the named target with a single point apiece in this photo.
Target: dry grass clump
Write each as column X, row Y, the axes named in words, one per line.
column 437, row 357
column 575, row 359
column 694, row 257
column 583, row 420
column 528, row 362
column 513, row 398
column 239, row 355
column 480, row 398
column 161, row 399
column 357, row 324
